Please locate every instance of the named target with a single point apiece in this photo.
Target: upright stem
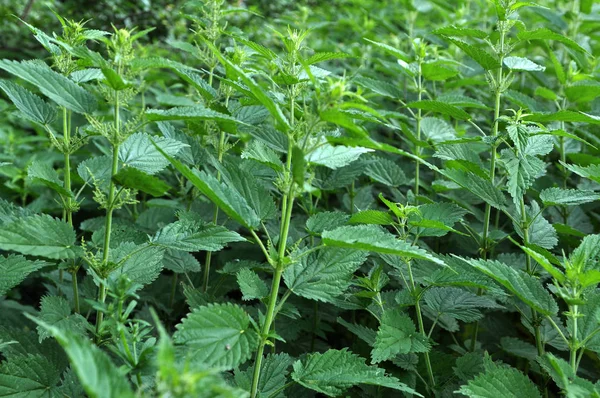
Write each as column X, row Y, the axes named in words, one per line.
column 215, row 215
column 287, row 203
column 419, row 118
column 109, row 210
column 574, row 310
column 534, row 314
column 492, row 172
column 421, row 327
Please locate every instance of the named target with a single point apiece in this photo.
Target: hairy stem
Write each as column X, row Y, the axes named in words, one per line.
column 110, row 205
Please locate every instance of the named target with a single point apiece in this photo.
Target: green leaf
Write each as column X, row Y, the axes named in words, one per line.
column 194, row 236
column 55, row 86
column 545, row 263
column 362, row 332
column 541, row 232
column 583, row 91
column 564, row 115
column 385, row 172
column 140, row 151
column 456, row 303
column 567, row 197
column 445, row 213
column 335, row 157
column 97, row 374
column 585, row 256
column 440, row 107
column 320, row 222
column 397, row 335
column 45, row 174
column 323, row 275
column 375, row 239
column 499, row 380
column 524, row 286
column 273, row 376
column 327, row 56
column 260, row 152
column 522, row 172
column 254, row 88
column 371, row 217
column 40, row 235
column 226, row 198
column 458, row 31
column 32, row 106
column 140, row 263
column 28, row 376
column 547, row 34
column 218, row 335
column 482, row 57
column 56, row 312
column 251, row 286
column 113, row 79
column 188, row 113
column 14, row 269
column 592, row 171
column 524, row 64
column 334, row 371
column 391, row 50
column 136, row 179
column 478, row 186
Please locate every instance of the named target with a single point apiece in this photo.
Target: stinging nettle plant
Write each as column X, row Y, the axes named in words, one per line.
column 401, row 201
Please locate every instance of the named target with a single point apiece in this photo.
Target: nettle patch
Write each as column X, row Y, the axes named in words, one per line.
column 315, row 215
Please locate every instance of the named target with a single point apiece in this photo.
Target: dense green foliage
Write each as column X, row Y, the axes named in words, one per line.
column 295, row 199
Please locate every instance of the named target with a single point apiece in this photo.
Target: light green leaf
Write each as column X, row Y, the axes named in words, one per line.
column 139, row 151
column 56, row 311
column 254, row 88
column 97, row 374
column 140, row 263
column 499, row 380
column 445, row 213
column 457, row 303
column 32, row 106
column 325, row 274
column 547, row 34
column 478, row 186
column 334, row 371
column 14, row 269
column 55, row 86
column 397, row 335
column 188, row 113
column 522, row 172
column 218, row 335
column 482, row 57
column 251, row 286
column 273, row 376
column 541, row 232
column 28, row 376
column 440, row 107
column 524, row 64
column 260, row 152
column 524, row 286
column 226, row 198
column 371, row 217
column 567, row 197
column 335, row 157
column 136, row 179
column 592, row 171
column 40, row 235
column 320, row 222
column 326, row 56
column 385, row 172
column 375, row 239
column 45, row 174
column 194, row 236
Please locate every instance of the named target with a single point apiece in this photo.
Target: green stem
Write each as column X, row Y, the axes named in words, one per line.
column 220, row 148
column 492, row 172
column 75, row 289
column 109, row 211
column 286, row 211
column 574, row 346
column 421, row 326
column 534, row 315
column 419, row 118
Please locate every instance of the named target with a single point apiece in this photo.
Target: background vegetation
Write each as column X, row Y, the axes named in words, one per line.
column 299, row 198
